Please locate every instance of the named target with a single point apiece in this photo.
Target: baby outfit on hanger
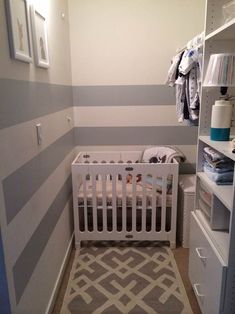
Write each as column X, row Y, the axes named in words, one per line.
column 185, row 75
column 190, row 64
column 172, row 73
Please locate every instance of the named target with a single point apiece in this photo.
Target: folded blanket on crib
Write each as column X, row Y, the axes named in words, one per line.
column 162, row 154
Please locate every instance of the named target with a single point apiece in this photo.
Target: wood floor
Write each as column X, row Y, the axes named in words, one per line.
column 181, row 257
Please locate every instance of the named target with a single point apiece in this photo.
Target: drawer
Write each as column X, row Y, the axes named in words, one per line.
column 207, row 270
column 197, row 264
column 197, row 278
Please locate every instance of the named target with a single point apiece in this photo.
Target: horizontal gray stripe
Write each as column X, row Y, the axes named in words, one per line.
column 23, row 100
column 153, row 135
column 20, row 186
column 187, row 168
column 28, row 259
column 127, row 95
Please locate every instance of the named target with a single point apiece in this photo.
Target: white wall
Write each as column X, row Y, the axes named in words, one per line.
column 129, row 42
column 59, row 71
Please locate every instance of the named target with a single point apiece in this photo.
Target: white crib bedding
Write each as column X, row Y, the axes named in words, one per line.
column 119, row 193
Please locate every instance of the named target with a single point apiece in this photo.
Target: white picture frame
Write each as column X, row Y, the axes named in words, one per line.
column 39, row 34
column 18, row 22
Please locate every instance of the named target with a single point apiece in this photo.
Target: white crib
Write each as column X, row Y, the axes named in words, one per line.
column 117, row 198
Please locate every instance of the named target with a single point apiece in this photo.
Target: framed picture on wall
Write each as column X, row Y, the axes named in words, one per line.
column 40, row 43
column 17, row 12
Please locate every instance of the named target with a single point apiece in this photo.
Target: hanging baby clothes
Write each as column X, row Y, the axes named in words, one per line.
column 173, row 71
column 190, row 64
column 173, row 75
column 190, row 80
column 185, row 75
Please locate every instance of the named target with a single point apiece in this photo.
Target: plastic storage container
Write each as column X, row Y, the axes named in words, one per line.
column 186, row 199
column 204, row 200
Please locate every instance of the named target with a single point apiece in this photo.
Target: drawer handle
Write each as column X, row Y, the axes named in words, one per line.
column 195, row 286
column 199, row 253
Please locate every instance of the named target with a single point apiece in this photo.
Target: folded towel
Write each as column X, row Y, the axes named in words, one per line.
column 213, row 155
column 219, row 168
column 222, row 163
column 225, row 178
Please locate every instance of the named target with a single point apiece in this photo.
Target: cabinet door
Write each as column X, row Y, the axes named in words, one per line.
column 207, row 270
column 196, row 267
column 215, row 279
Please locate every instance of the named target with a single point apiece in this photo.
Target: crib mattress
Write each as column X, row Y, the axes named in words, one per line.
column 129, row 193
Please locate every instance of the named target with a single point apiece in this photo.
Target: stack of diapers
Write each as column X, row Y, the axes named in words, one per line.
column 218, row 167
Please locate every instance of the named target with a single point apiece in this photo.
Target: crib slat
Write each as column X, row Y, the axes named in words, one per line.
column 85, row 202
column 104, row 201
column 154, row 203
column 94, row 202
column 133, row 216
column 114, row 202
column 174, row 201
column 163, row 216
column 144, row 207
column 124, row 209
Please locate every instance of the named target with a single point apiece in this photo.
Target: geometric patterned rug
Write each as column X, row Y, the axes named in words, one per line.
column 119, row 278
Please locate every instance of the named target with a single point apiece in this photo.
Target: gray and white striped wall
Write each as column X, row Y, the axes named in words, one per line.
column 108, row 63
column 131, row 118
column 35, row 190
column 119, row 69
column 36, row 180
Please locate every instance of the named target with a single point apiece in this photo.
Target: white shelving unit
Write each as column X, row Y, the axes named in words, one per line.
column 223, row 147
column 226, row 31
column 212, row 233
column 223, row 192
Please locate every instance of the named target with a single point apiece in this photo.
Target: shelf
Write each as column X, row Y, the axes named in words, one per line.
column 223, row 147
column 223, row 192
column 220, row 239
column 226, row 31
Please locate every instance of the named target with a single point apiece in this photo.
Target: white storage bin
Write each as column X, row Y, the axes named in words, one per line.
column 186, row 199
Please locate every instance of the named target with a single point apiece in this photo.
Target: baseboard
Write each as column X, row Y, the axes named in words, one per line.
column 59, row 278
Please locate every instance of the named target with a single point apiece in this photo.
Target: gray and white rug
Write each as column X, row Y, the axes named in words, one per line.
column 120, row 279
